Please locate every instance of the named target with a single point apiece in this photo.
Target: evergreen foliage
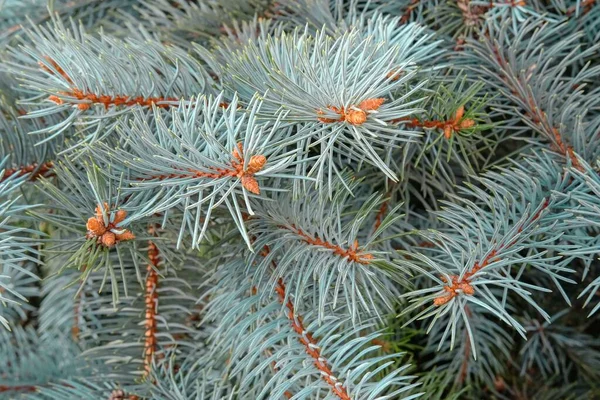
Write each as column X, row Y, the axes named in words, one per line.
column 313, row 199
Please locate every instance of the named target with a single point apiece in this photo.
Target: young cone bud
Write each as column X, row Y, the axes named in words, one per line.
column 256, row 163
column 355, row 117
column 108, row 239
column 250, row 183
column 95, row 226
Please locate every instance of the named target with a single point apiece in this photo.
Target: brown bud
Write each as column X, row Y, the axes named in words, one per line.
column 394, row 74
column 108, row 239
column 120, row 216
column 95, row 226
column 126, row 235
column 467, row 288
column 356, row 117
column 439, row 301
column 56, row 100
column 371, row 104
column 99, row 210
column 330, row 120
column 459, row 113
column 250, row 183
column 238, row 152
column 448, row 131
column 467, row 123
column 256, row 163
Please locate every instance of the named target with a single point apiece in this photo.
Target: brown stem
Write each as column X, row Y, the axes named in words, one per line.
column 310, row 344
column 36, row 171
column 449, row 127
column 119, row 100
column 151, row 302
column 353, row 253
column 236, row 170
column 24, row 388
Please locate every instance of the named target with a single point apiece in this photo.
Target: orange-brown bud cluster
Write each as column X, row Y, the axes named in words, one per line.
column 458, row 123
column 449, row 127
column 452, row 290
column 236, row 170
column 355, row 115
column 108, row 234
column 255, row 164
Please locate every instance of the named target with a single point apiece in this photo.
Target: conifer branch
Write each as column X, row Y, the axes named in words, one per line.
column 538, row 116
column 360, row 271
column 354, row 115
column 84, row 100
column 151, row 304
column 353, row 253
column 518, row 78
column 73, row 70
column 448, row 127
column 238, row 170
column 167, row 151
column 33, row 171
column 310, row 344
column 462, row 283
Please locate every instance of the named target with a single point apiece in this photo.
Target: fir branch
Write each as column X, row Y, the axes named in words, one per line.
column 346, row 269
column 478, row 352
column 205, row 156
column 555, row 350
column 352, row 253
column 304, row 364
column 151, row 301
column 31, row 362
column 586, row 219
column 182, row 22
column 462, row 284
column 352, row 121
column 18, row 290
column 195, row 149
column 496, row 262
column 518, row 78
column 449, row 127
column 23, row 157
column 90, row 220
column 310, row 344
column 96, row 79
